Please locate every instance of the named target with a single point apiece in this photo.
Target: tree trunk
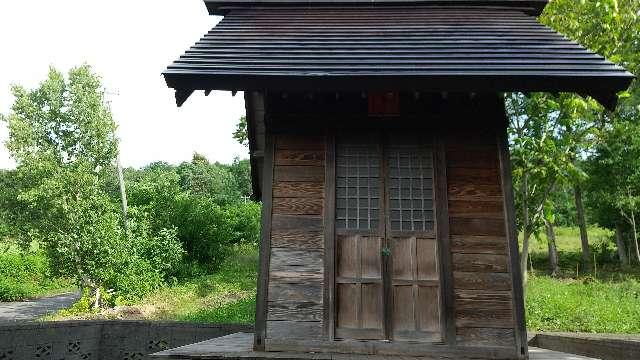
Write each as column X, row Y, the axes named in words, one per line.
column 635, row 235
column 525, row 231
column 582, row 224
column 96, row 304
column 622, row 251
column 553, row 250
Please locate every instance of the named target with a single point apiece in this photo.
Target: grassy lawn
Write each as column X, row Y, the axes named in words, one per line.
column 228, row 296
column 606, row 301
column 28, row 275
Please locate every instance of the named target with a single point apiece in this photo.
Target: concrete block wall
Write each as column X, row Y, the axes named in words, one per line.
column 97, row 340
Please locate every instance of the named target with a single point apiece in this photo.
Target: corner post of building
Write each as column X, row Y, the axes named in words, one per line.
column 512, row 234
column 265, row 244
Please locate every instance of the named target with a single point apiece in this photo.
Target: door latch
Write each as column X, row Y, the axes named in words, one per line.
column 386, row 252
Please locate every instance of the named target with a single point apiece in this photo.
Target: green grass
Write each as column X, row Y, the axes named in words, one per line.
column 605, row 300
column 584, row 305
column 27, row 275
column 227, row 296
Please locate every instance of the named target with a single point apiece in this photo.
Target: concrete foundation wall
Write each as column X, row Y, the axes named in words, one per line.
column 97, row 340
column 600, row 346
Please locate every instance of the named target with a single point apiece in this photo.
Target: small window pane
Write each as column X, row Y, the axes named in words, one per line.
column 410, row 184
column 359, row 167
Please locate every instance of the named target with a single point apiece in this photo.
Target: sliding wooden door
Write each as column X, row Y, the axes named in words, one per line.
column 414, row 275
column 387, row 278
column 359, row 239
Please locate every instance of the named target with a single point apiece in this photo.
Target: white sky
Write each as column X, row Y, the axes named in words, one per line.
column 129, row 43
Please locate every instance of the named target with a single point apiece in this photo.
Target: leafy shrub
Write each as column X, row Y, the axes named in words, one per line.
column 27, row 275
column 163, row 250
column 136, row 278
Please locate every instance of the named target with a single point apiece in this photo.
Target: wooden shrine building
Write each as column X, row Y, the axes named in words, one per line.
column 378, row 147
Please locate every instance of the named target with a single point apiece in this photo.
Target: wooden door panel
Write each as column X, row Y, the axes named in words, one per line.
column 372, row 306
column 427, row 265
column 371, row 259
column 360, row 291
column 428, row 304
column 415, row 290
column 348, row 312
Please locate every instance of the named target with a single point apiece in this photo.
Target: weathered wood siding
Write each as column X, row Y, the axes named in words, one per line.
column 482, row 284
column 296, row 269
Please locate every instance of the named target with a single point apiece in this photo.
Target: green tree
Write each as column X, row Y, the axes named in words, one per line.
column 615, row 175
column 612, row 29
column 62, row 137
column 542, row 156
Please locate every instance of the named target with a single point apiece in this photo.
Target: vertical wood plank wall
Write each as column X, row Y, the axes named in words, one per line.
column 479, row 246
column 296, row 269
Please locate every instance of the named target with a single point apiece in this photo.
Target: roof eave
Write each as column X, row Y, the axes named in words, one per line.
column 605, row 92
column 222, row 7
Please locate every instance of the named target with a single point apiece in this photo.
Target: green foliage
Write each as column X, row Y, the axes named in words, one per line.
column 241, row 134
column 28, row 275
column 241, row 171
column 583, row 305
column 208, row 230
column 204, row 202
column 619, row 154
column 162, row 250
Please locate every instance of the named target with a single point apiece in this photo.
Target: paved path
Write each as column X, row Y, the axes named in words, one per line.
column 33, row 309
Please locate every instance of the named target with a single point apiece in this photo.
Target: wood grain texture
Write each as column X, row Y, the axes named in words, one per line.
column 296, row 266
column 514, row 256
column 297, row 239
column 485, row 336
column 475, row 226
column 299, row 157
column 308, row 330
column 295, row 311
column 296, row 222
column 497, row 318
column 301, row 189
column 460, row 190
column 479, row 244
column 297, row 206
column 476, row 208
column 265, row 236
column 483, row 299
column 329, row 308
column 295, row 292
column 447, row 320
column 299, row 173
column 480, row 263
column 481, row 281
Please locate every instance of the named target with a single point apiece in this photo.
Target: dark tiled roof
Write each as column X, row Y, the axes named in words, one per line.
column 221, row 7
column 422, row 48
